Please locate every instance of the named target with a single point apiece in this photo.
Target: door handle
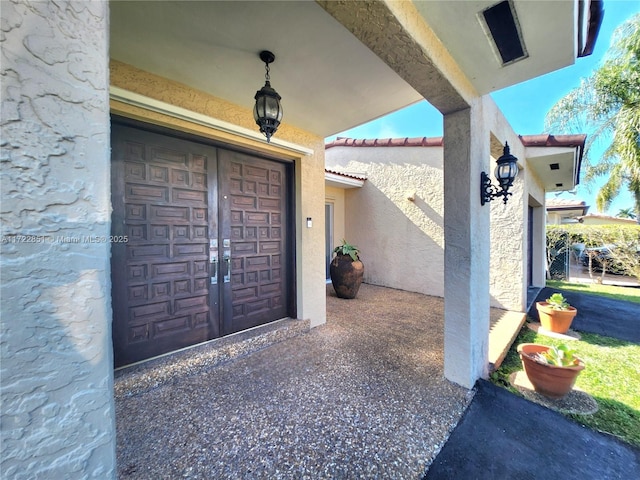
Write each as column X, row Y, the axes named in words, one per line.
column 214, row 268
column 213, row 260
column 226, row 260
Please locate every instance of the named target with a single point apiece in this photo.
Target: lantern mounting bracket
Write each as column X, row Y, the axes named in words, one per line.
column 267, row 57
column 488, row 191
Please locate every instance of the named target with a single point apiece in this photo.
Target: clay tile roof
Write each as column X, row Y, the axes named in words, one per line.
column 560, row 202
column 548, row 140
column 347, row 175
column 386, row 142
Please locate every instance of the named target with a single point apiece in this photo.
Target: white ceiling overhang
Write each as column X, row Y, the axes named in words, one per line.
column 548, row 30
column 557, row 168
column 329, row 80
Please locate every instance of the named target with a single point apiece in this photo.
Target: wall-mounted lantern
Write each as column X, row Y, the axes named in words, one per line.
column 267, row 111
column 506, row 172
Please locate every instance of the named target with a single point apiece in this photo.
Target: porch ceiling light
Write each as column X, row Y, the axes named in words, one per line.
column 506, row 172
column 267, row 111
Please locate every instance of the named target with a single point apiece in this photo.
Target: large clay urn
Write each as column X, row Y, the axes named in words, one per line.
column 550, row 380
column 346, row 275
column 553, row 320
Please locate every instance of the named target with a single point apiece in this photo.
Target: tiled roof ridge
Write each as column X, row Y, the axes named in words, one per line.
column 549, row 140
column 564, row 202
column 348, row 175
column 540, row 140
column 604, row 215
column 386, row 142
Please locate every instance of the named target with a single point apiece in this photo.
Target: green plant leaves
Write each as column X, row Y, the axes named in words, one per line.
column 558, row 302
column 347, row 249
column 560, row 356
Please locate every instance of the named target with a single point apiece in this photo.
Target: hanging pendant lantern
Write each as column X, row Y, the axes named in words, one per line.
column 267, row 111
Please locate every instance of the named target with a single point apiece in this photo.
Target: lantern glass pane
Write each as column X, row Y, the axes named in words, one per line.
column 506, row 171
column 256, row 110
column 272, row 108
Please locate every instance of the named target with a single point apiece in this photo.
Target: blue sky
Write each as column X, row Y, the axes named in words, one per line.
column 524, row 105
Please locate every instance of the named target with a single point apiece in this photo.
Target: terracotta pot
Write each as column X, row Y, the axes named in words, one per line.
column 549, row 380
column 552, row 320
column 346, row 275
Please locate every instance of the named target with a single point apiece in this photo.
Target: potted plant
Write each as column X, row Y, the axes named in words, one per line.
column 551, row 370
column 346, row 270
column 556, row 314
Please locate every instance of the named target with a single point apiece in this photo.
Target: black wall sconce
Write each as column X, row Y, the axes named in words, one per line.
column 506, row 172
column 267, row 112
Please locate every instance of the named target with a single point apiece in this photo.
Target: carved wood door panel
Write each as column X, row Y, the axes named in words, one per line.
column 206, row 232
column 253, row 200
column 160, row 275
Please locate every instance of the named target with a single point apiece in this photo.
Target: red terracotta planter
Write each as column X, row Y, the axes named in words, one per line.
column 557, row 321
column 549, row 380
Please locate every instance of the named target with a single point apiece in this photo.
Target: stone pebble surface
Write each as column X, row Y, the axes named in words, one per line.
column 363, row 396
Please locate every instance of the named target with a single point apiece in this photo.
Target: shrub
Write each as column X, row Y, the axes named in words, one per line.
column 626, row 238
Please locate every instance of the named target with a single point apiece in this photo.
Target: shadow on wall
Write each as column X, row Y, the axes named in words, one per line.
column 401, row 248
column 401, row 241
column 55, row 358
column 434, row 216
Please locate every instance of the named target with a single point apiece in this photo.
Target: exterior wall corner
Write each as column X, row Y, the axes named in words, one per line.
column 58, row 416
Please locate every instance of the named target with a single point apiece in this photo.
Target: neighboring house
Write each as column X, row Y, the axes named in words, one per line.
column 597, row 219
column 142, row 211
column 396, row 217
column 561, row 211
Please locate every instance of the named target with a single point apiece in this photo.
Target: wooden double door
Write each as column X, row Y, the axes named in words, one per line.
column 201, row 242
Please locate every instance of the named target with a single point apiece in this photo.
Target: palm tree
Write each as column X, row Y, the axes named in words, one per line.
column 607, row 106
column 626, row 213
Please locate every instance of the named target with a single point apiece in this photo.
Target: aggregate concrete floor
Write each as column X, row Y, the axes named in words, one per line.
column 361, row 397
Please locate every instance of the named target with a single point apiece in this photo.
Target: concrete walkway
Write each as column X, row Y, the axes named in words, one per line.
column 578, row 273
column 360, row 397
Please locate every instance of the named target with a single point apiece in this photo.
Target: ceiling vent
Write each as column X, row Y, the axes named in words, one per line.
column 554, row 166
column 503, row 28
column 559, row 185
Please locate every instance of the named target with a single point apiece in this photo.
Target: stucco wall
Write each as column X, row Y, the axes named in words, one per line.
column 309, row 169
column 381, row 220
column 401, row 241
column 57, row 369
column 508, row 247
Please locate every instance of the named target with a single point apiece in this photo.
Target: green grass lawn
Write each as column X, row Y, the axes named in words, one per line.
column 611, row 376
column 609, row 291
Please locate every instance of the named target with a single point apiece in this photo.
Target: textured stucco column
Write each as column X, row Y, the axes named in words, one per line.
column 310, row 267
column 466, row 252
column 56, row 355
column 508, row 268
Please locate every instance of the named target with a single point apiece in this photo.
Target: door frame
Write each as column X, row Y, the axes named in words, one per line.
column 328, row 236
column 290, row 206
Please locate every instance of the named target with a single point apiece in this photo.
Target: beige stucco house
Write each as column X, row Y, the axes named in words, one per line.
column 598, row 219
column 395, row 216
column 561, row 211
column 142, row 211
